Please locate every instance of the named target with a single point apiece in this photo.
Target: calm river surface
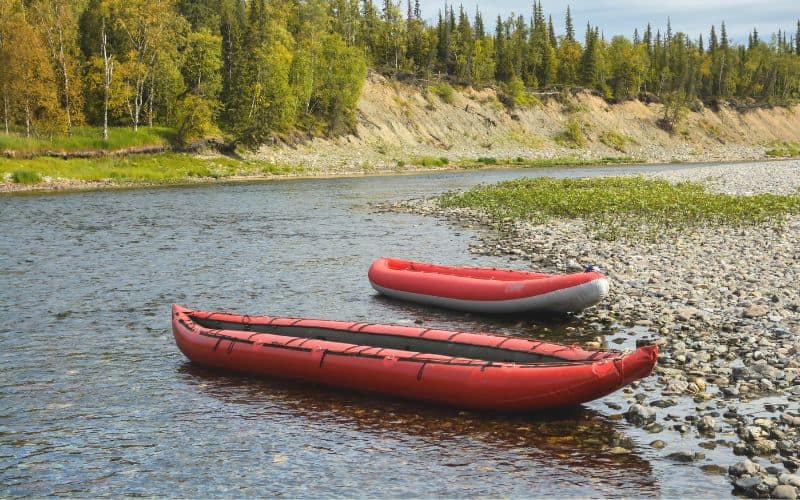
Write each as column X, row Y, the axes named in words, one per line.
column 97, row 400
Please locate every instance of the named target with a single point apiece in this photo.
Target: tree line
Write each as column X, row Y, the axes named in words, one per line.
column 254, row 68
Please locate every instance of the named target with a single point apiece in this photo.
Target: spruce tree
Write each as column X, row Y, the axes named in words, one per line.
column 797, row 40
column 480, row 31
column 571, row 28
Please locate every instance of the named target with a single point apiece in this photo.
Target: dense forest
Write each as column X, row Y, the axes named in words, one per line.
column 254, row 68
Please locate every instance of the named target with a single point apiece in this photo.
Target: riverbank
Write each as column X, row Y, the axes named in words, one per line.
column 110, row 172
column 723, row 304
column 406, row 128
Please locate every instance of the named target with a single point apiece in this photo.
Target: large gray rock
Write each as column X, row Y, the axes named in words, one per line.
column 790, row 479
column 746, row 467
column 784, row 491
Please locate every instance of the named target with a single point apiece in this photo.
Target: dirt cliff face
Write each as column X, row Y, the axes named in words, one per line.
column 402, row 123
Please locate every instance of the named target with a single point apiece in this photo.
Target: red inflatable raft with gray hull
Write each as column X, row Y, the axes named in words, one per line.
column 486, row 290
column 458, row 369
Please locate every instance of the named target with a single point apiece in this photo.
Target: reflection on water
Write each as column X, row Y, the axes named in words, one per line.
column 97, row 400
column 575, row 442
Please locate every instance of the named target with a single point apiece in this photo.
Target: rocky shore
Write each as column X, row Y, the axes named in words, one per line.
column 723, row 304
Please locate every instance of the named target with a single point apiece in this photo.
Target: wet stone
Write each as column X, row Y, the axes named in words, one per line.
column 654, row 427
column 784, row 491
column 765, row 447
column 748, row 484
column 658, row 444
column 664, row 403
column 790, row 479
column 746, row 466
column 682, row 456
column 640, row 415
column 791, row 420
column 713, row 469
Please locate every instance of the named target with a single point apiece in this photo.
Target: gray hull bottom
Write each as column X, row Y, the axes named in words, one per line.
column 570, row 299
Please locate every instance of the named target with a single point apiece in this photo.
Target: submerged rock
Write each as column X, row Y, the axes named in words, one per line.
column 640, row 415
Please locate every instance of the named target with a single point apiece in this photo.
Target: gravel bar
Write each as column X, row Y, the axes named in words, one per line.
column 723, row 304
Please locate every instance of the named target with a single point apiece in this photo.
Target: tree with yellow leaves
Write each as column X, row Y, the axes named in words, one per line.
column 58, row 25
column 27, row 82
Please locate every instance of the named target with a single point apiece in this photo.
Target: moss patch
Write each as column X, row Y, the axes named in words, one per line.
column 622, row 206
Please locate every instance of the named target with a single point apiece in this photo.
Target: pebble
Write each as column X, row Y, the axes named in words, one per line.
column 745, row 467
column 755, row 311
column 640, row 415
column 682, row 456
column 784, row 491
column 790, row 479
column 792, row 420
column 721, row 302
column 707, row 424
column 712, row 469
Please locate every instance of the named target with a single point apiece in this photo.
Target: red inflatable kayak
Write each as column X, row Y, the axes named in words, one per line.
column 464, row 370
column 485, row 290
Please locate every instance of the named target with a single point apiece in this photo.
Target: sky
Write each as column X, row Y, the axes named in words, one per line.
column 621, row 17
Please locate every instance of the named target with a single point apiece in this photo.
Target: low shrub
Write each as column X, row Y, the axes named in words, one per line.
column 430, row 161
column 615, row 140
column 572, row 136
column 26, row 177
column 444, row 91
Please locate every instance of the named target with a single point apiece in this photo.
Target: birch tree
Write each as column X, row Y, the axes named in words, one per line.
column 27, row 79
column 108, row 76
column 150, row 26
column 57, row 22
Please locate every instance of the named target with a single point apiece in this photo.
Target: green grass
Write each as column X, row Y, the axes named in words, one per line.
column 89, row 139
column 572, row 136
column 572, row 106
column 444, row 91
column 430, row 161
column 633, row 207
column 787, row 149
column 155, row 168
column 564, row 161
column 615, row 140
column 25, row 177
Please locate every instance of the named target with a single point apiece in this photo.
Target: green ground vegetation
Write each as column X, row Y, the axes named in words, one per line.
column 89, row 139
column 563, row 161
column 615, row 140
column 445, row 92
column 137, row 169
column 572, row 136
column 25, row 177
column 616, row 206
column 256, row 69
column 430, row 161
column 786, row 149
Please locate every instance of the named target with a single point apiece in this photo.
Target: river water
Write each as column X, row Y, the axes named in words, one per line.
column 97, row 400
